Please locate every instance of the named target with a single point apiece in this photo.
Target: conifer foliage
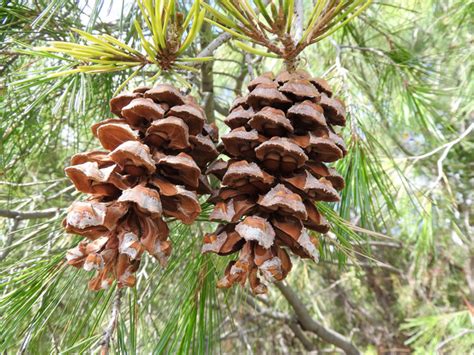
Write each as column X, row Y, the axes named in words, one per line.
column 400, row 250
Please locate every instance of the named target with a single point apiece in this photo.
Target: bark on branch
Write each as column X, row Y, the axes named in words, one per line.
column 290, row 321
column 299, row 20
column 296, row 329
column 309, row 324
column 49, row 212
column 109, row 331
column 214, row 44
column 207, row 76
column 220, row 40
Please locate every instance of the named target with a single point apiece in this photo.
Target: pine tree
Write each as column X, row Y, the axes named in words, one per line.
column 398, row 252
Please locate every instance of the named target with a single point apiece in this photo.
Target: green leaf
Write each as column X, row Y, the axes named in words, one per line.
column 317, row 10
column 195, row 59
column 233, row 10
column 102, row 43
column 222, row 19
column 146, row 45
column 197, row 23
column 289, row 11
column 263, row 11
column 232, row 32
column 255, row 51
column 128, row 80
column 346, row 20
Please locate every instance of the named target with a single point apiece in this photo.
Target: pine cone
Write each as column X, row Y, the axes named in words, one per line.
column 156, row 151
column 282, row 135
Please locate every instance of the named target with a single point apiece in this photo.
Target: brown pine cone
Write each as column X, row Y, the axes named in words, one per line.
column 281, row 137
column 157, row 149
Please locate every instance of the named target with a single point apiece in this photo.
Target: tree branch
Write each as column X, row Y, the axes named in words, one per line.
column 286, row 318
column 226, row 74
column 207, row 77
column 299, row 20
column 31, row 183
column 309, row 324
column 373, row 265
column 214, row 44
column 109, row 331
column 307, row 344
column 50, row 212
column 221, row 109
column 446, row 146
column 268, row 312
column 240, row 80
column 9, row 239
column 220, row 40
column 248, row 60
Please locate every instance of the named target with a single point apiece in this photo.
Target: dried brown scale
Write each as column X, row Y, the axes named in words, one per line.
column 146, row 174
column 280, row 140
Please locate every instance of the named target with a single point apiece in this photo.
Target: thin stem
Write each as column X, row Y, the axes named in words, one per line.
column 50, row 212
column 290, row 64
column 299, row 21
column 9, row 239
column 109, row 331
column 215, row 43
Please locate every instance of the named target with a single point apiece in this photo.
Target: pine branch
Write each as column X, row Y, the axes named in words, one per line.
column 248, row 60
column 109, row 331
column 214, row 44
column 371, row 265
column 309, row 324
column 299, row 20
column 221, row 109
column 207, row 77
column 445, row 147
column 32, row 183
column 46, row 213
column 269, row 313
column 9, row 239
column 286, row 318
column 219, row 41
column 296, row 329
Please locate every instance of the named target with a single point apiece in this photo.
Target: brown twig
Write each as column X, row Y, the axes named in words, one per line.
column 109, row 331
column 307, row 343
column 286, row 318
column 309, row 324
column 32, row 183
column 214, row 44
column 207, row 76
column 49, row 212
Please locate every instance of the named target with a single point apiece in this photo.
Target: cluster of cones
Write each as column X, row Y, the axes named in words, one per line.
column 282, row 134
column 151, row 167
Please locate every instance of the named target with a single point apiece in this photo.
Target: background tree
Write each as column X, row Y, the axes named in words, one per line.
column 396, row 273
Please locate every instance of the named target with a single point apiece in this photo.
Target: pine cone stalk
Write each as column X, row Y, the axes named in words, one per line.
column 282, row 136
column 155, row 151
